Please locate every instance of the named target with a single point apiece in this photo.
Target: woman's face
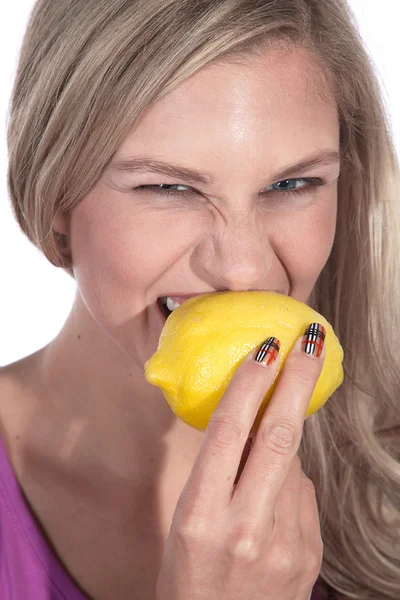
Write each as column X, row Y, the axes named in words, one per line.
column 240, row 225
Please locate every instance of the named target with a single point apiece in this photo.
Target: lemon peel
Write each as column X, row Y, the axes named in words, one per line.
column 205, row 340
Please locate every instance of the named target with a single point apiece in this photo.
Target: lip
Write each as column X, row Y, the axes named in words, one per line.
column 179, row 298
column 184, row 296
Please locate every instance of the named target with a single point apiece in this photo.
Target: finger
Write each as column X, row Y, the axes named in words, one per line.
column 245, row 456
column 309, row 528
column 279, row 435
column 287, row 512
column 309, row 515
column 212, row 477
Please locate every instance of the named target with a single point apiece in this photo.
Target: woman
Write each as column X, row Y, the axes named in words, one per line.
column 168, row 148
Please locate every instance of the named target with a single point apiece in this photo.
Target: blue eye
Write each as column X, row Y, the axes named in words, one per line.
column 286, row 186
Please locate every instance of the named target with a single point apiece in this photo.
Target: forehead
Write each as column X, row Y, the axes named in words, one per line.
column 278, row 97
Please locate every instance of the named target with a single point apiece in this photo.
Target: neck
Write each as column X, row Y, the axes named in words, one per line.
column 99, row 411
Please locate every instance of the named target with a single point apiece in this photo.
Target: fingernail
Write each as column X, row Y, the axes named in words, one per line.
column 268, row 352
column 313, row 340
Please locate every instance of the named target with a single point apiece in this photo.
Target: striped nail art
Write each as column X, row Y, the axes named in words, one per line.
column 268, row 352
column 313, row 339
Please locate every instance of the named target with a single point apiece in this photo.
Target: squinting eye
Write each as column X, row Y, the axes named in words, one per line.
column 290, row 186
column 285, row 187
column 162, row 189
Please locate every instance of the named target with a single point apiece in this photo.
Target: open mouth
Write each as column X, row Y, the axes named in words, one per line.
column 163, row 308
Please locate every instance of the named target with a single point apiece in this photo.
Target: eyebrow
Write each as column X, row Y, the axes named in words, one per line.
column 144, row 164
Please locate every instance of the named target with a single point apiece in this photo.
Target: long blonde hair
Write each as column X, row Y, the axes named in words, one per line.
column 87, row 70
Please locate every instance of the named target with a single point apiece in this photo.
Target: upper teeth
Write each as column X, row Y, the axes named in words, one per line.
column 171, row 304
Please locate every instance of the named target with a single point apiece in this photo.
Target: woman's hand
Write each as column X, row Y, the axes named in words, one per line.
column 259, row 539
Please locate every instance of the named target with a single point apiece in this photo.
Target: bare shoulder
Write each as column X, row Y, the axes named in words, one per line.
column 7, row 395
column 15, row 396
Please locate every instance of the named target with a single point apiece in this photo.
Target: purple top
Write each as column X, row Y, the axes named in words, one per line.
column 29, row 570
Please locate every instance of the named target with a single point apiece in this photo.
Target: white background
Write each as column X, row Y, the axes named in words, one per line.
column 35, row 297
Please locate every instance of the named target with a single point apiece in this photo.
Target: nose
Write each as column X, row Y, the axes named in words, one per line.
column 238, row 257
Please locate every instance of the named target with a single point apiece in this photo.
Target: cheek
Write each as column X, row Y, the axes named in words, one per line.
column 119, row 255
column 307, row 243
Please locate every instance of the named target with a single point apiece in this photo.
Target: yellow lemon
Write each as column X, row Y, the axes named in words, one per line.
column 206, row 338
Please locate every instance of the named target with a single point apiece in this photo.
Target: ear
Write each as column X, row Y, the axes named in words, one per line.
column 61, row 223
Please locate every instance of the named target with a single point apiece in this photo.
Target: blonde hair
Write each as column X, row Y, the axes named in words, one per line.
column 87, row 71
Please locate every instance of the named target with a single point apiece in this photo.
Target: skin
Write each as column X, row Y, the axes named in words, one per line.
column 86, row 403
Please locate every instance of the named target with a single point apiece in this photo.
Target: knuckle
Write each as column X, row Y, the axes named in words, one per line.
column 190, row 530
column 286, row 561
column 280, row 438
column 245, row 546
column 315, row 561
column 316, row 549
column 225, row 432
column 312, row 567
column 307, row 485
